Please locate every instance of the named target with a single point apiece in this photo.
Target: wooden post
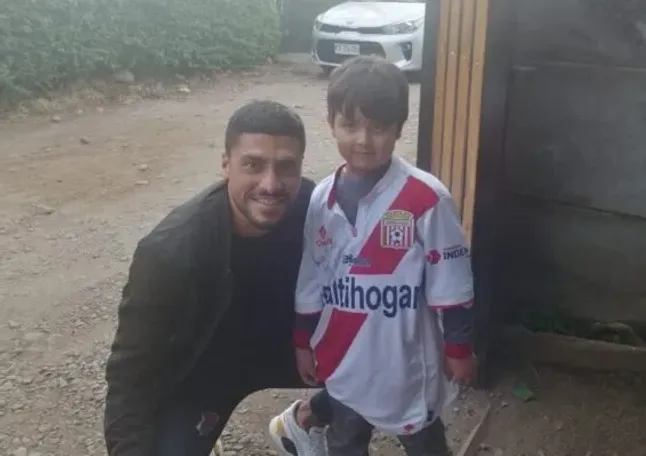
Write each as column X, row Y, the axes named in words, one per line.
column 460, row 54
column 460, row 36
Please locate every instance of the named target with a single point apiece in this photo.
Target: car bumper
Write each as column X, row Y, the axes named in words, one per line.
column 405, row 51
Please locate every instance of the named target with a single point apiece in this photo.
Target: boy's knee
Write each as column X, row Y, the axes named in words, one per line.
column 349, row 433
column 320, row 408
column 309, row 415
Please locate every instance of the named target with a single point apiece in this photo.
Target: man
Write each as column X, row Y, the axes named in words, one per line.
column 207, row 313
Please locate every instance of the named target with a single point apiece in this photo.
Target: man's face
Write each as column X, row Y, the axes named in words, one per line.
column 264, row 176
column 365, row 145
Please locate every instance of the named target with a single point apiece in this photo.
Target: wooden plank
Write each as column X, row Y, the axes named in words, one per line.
column 462, row 103
column 576, row 135
column 428, row 90
column 600, row 32
column 485, row 235
column 586, row 263
column 451, row 88
column 440, row 87
column 475, row 113
column 573, row 352
column 471, row 445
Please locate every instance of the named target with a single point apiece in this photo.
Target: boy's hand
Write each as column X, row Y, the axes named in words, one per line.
column 306, row 366
column 461, row 370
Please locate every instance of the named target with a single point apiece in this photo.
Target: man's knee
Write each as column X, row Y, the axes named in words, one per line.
column 184, row 428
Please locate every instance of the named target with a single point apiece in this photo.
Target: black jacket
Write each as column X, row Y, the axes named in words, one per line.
column 179, row 287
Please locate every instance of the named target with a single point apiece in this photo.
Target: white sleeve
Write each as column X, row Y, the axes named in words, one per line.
column 308, row 286
column 448, row 278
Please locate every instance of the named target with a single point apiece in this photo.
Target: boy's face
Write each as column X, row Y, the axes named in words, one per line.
column 365, row 145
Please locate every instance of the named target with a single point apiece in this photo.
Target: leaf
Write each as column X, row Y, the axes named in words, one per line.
column 523, row 392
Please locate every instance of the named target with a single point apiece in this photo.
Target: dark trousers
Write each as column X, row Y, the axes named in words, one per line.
column 349, row 435
column 189, row 426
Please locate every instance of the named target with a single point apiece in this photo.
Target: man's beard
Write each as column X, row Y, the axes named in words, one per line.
column 247, row 212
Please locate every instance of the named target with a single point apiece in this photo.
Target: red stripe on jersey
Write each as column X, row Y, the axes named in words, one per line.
column 342, row 329
column 415, row 197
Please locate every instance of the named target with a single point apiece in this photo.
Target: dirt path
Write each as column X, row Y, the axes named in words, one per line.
column 76, row 196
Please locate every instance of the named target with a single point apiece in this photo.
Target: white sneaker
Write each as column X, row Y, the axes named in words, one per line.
column 291, row 439
column 218, row 449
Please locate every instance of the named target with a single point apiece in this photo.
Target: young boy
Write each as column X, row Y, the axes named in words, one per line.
column 384, row 253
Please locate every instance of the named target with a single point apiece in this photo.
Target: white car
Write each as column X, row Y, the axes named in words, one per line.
column 392, row 29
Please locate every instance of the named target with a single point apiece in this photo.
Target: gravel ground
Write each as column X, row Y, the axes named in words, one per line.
column 79, row 188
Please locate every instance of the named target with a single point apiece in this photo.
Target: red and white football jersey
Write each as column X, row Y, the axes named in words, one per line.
column 377, row 345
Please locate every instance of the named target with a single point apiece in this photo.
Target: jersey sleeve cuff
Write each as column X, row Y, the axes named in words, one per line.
column 465, row 301
column 301, row 338
column 458, row 351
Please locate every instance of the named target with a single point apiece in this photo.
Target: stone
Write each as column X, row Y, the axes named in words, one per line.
column 22, row 451
column 124, row 77
column 33, row 336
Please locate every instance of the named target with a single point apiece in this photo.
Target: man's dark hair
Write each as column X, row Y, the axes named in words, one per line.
column 375, row 86
column 264, row 117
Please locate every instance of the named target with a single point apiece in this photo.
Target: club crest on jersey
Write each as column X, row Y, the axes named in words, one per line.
column 323, row 238
column 397, row 230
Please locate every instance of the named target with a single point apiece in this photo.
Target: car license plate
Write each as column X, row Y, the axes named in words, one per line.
column 346, row 49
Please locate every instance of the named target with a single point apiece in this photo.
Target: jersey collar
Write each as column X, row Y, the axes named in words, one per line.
column 386, row 179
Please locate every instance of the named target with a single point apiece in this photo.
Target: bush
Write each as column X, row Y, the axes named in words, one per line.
column 45, row 44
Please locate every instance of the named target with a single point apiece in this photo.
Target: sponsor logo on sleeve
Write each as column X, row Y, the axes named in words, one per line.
column 455, row 252
column 323, row 238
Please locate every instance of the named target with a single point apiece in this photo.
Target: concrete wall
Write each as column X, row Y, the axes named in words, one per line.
column 573, row 233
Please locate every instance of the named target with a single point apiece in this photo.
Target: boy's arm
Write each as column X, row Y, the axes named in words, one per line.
column 448, row 279
column 308, row 290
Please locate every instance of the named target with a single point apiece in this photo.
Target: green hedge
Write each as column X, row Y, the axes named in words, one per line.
column 46, row 44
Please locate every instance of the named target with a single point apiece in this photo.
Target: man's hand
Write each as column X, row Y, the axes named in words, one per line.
column 306, row 366
column 461, row 370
